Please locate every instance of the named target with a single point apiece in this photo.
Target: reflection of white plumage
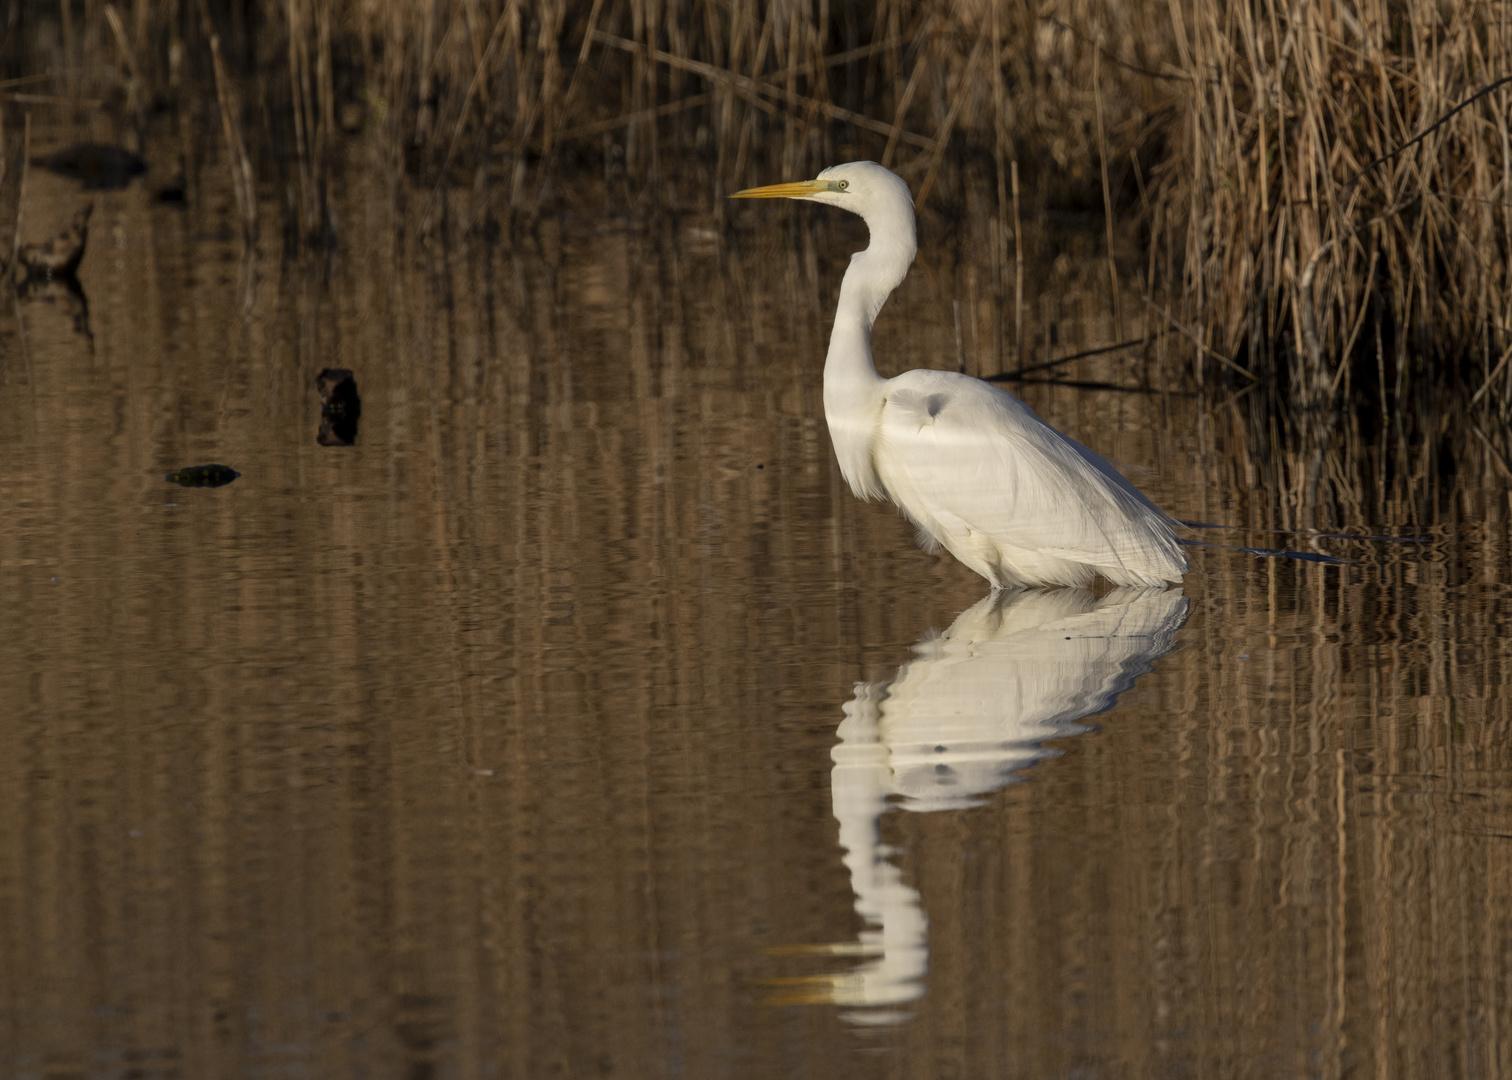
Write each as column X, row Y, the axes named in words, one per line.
column 971, row 466
column 957, row 723
column 1011, row 672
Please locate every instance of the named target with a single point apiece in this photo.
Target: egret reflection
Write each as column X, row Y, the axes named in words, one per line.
column 962, row 720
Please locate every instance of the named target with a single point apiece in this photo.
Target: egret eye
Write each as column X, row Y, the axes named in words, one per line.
column 844, row 184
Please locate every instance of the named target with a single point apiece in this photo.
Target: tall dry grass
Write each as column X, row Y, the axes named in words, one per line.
column 1243, row 138
column 1309, row 235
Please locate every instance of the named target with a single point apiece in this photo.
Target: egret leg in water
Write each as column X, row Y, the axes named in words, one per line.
column 972, row 466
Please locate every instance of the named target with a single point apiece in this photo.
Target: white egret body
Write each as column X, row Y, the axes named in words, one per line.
column 972, row 466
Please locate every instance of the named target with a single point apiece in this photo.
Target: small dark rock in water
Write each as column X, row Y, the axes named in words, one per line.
column 97, row 166
column 203, row 476
column 340, row 407
column 58, row 257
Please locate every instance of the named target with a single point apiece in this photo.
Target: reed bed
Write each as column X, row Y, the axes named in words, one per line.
column 1296, row 232
column 1328, row 217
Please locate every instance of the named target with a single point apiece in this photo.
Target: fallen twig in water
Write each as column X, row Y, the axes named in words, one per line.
column 1300, row 532
column 1273, row 553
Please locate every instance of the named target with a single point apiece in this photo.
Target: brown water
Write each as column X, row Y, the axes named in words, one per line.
column 523, row 738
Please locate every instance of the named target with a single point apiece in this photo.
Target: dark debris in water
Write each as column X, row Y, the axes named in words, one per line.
column 1287, row 553
column 58, row 257
column 203, row 476
column 65, row 292
column 340, row 407
column 173, row 193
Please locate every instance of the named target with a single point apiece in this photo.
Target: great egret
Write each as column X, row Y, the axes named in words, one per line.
column 973, row 467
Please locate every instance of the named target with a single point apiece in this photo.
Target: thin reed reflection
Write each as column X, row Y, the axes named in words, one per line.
column 964, row 719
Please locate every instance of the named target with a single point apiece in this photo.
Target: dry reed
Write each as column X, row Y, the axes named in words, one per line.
column 242, row 179
column 1299, row 244
column 1238, row 136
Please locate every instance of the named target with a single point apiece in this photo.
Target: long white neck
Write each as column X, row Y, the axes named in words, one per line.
column 852, row 387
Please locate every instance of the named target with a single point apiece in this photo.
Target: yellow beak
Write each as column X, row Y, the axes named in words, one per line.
column 797, row 190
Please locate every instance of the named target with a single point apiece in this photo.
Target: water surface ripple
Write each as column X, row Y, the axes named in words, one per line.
column 504, row 742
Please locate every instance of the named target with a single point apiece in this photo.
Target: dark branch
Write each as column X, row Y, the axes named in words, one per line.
column 1440, row 122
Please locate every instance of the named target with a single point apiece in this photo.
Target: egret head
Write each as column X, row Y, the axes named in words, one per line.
column 862, row 187
column 858, row 186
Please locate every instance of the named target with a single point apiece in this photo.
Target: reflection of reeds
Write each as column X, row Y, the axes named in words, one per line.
column 1239, row 135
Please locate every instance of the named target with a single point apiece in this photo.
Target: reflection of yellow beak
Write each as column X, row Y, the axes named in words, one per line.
column 806, row 990
column 797, row 190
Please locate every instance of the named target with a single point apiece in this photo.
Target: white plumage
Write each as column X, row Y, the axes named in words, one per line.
column 970, row 465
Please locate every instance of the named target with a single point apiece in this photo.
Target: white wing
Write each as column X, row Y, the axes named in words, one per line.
column 1010, row 496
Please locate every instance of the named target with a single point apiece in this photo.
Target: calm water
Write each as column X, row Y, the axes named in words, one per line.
column 578, row 722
